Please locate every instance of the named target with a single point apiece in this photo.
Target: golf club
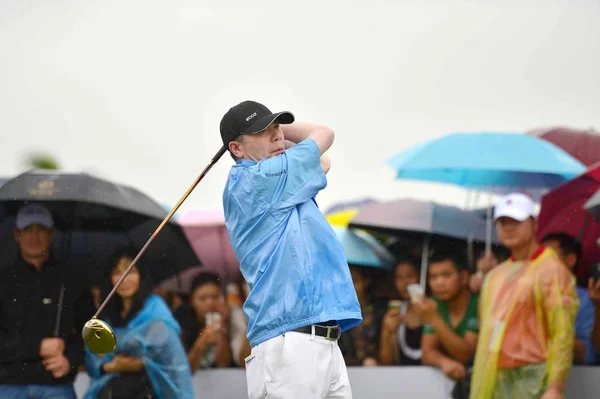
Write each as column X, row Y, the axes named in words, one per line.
column 97, row 334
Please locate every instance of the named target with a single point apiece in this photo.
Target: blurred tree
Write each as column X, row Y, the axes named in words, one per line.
column 42, row 161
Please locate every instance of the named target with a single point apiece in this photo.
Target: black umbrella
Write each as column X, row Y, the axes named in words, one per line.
column 94, row 216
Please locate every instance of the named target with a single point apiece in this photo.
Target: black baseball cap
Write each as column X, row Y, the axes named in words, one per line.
column 250, row 117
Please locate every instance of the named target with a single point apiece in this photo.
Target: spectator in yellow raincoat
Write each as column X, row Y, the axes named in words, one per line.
column 527, row 314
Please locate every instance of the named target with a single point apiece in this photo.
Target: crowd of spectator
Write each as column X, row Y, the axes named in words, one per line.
column 166, row 337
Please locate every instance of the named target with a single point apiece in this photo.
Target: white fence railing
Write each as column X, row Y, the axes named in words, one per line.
column 369, row 383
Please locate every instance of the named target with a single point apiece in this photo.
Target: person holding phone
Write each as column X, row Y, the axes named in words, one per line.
column 401, row 330
column 205, row 324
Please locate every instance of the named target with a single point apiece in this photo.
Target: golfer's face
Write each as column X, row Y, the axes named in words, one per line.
column 515, row 234
column 131, row 284
column 34, row 240
column 266, row 144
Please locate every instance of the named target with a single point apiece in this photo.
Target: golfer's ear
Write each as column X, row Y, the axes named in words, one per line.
column 236, row 149
column 17, row 235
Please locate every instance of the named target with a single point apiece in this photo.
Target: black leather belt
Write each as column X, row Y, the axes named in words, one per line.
column 329, row 330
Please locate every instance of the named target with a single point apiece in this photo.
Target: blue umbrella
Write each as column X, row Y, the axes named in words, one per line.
column 362, row 249
column 488, row 160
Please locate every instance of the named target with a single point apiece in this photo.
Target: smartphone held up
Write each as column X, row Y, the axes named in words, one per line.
column 416, row 292
column 213, row 320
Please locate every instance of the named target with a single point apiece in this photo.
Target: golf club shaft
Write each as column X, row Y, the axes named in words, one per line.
column 217, row 156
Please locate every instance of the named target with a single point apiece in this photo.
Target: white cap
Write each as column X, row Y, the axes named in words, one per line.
column 515, row 206
column 34, row 214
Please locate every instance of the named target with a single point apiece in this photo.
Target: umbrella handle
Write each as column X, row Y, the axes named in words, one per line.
column 424, row 263
column 488, row 227
column 59, row 309
column 214, row 160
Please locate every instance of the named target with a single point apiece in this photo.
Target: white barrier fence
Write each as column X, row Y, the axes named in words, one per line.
column 371, row 382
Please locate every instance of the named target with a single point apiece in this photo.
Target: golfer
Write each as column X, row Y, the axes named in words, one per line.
column 301, row 293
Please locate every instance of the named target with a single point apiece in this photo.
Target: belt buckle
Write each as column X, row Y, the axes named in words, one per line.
column 329, row 337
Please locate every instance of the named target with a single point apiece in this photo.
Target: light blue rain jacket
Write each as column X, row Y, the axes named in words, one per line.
column 289, row 254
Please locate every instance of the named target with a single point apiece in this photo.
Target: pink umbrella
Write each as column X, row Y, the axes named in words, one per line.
column 206, row 232
column 197, row 217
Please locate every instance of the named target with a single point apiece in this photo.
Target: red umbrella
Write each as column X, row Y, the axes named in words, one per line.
column 581, row 144
column 562, row 211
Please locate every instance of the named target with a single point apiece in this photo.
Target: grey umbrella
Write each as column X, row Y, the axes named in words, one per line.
column 593, row 205
column 423, row 219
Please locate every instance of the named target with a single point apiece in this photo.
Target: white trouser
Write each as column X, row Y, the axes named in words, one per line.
column 297, row 365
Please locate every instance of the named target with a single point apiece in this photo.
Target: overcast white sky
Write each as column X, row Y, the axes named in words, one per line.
column 133, row 90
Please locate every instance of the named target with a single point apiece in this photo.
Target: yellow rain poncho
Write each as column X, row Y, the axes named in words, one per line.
column 527, row 317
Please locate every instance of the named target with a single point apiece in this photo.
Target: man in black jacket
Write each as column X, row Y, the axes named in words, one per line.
column 43, row 306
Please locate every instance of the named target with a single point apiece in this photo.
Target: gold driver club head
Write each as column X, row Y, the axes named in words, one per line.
column 99, row 337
